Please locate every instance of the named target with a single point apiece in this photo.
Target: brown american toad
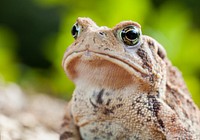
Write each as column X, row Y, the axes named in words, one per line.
column 126, row 87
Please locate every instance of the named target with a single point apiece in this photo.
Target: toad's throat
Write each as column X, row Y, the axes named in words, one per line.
column 98, row 68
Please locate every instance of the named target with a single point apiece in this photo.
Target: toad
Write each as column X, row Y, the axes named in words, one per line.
column 126, row 87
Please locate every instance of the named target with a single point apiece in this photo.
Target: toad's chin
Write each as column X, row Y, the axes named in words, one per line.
column 98, row 69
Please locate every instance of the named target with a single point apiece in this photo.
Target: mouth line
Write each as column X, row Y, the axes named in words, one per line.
column 115, row 60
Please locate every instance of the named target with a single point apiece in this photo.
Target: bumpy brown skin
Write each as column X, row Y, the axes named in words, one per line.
column 125, row 93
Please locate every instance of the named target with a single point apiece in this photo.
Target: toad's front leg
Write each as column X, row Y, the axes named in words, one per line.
column 69, row 130
column 171, row 125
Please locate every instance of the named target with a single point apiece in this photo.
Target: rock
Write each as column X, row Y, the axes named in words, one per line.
column 24, row 117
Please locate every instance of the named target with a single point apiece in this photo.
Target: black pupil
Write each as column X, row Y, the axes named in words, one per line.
column 132, row 34
column 74, row 31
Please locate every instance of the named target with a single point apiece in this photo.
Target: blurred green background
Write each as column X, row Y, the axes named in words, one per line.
column 34, row 35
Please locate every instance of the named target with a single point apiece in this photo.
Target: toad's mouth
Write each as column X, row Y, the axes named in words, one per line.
column 98, row 68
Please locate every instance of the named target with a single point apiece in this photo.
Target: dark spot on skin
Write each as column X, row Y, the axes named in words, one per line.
column 108, row 111
column 65, row 123
column 100, row 46
column 189, row 102
column 85, row 134
column 173, row 119
column 160, row 122
column 139, row 112
column 92, row 130
column 66, row 118
column 133, row 104
column 94, row 40
column 156, row 108
column 96, row 138
column 148, row 119
column 138, row 99
column 119, row 98
column 119, row 105
column 136, row 138
column 71, row 114
column 152, row 78
column 66, row 135
column 87, row 46
column 108, row 102
column 185, row 113
column 95, row 106
column 95, row 130
column 153, row 104
column 144, row 75
column 107, row 93
column 109, row 134
column 172, row 107
column 107, row 126
column 75, row 43
column 99, row 97
column 106, row 49
column 150, row 43
column 146, row 61
column 158, row 94
column 82, row 41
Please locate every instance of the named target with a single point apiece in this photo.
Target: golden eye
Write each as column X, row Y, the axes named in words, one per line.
column 130, row 35
column 75, row 30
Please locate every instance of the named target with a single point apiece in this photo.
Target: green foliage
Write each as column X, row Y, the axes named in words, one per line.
column 8, row 68
column 171, row 24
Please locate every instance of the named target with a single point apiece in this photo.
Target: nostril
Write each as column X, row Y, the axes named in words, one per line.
column 102, row 33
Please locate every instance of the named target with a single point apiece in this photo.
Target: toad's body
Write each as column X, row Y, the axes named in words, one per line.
column 126, row 88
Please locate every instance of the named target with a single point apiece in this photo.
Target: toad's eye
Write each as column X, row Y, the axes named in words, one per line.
column 75, row 30
column 130, row 35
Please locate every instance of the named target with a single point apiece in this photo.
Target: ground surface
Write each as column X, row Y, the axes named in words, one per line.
column 24, row 117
